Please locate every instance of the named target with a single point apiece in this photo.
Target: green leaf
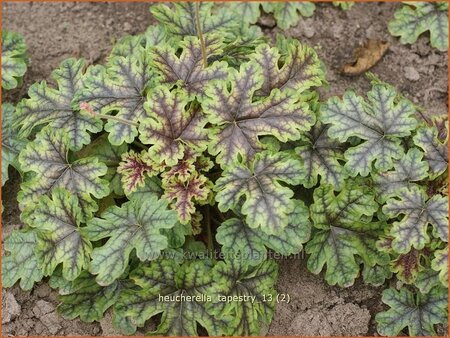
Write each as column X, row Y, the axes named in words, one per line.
column 380, row 123
column 152, row 186
column 254, row 286
column 179, row 19
column 14, row 63
column 21, row 262
column 178, row 292
column 287, row 13
column 267, row 202
column 436, row 151
column 135, row 225
column 344, row 231
column 418, row 211
column 247, row 11
column 376, row 275
column 236, row 236
column 47, row 157
column 418, row 312
column 110, row 155
column 60, row 238
column 184, row 194
column 12, row 143
column 174, row 125
column 120, row 89
column 186, row 70
column 344, row 5
column 440, row 264
column 87, row 299
column 239, row 120
column 294, row 68
column 53, row 107
column 411, row 22
column 321, row 156
column 407, row 170
column 427, row 279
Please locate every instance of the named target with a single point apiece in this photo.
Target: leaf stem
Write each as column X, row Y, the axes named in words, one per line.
column 200, row 33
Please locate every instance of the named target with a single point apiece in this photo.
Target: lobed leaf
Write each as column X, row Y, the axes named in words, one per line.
column 179, row 19
column 87, row 299
column 236, row 236
column 47, row 157
column 380, row 123
column 21, row 262
column 344, row 230
column 184, row 194
column 136, row 225
column 163, row 283
column 187, row 70
column 415, row 18
column 287, row 13
column 436, row 151
column 418, row 312
column 53, row 107
column 12, row 143
column 174, row 126
column 295, row 67
column 321, row 156
column 440, row 264
column 407, row 170
column 254, row 285
column 134, row 168
column 119, row 88
column 14, row 63
column 267, row 202
column 239, row 120
column 418, row 211
column 60, row 238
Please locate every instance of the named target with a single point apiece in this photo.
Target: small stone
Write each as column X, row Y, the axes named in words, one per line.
column 43, row 291
column 267, row 20
column 107, row 326
column 42, row 307
column 11, row 309
column 411, row 73
column 127, row 27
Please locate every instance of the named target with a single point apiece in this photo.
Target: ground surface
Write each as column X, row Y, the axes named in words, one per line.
column 56, row 31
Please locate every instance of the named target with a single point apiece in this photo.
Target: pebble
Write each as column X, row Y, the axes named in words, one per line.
column 13, row 308
column 411, row 73
column 42, row 307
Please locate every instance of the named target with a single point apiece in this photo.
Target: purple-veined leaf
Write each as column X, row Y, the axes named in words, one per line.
column 436, row 150
column 267, row 203
column 440, row 264
column 53, row 107
column 135, row 225
column 134, row 168
column 407, row 170
column 380, row 122
column 120, row 89
column 239, row 120
column 184, row 194
column 48, row 158
column 321, row 156
column 418, row 312
column 186, row 70
column 344, row 231
column 174, row 125
column 14, row 62
column 418, row 212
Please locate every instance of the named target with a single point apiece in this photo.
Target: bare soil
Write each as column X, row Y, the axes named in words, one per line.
column 56, row 31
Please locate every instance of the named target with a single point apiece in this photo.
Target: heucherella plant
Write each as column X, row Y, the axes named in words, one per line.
column 157, row 186
column 415, row 18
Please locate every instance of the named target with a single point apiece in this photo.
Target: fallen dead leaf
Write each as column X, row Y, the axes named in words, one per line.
column 365, row 57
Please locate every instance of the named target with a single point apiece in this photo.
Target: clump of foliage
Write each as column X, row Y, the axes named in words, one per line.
column 416, row 18
column 159, row 182
column 14, row 61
